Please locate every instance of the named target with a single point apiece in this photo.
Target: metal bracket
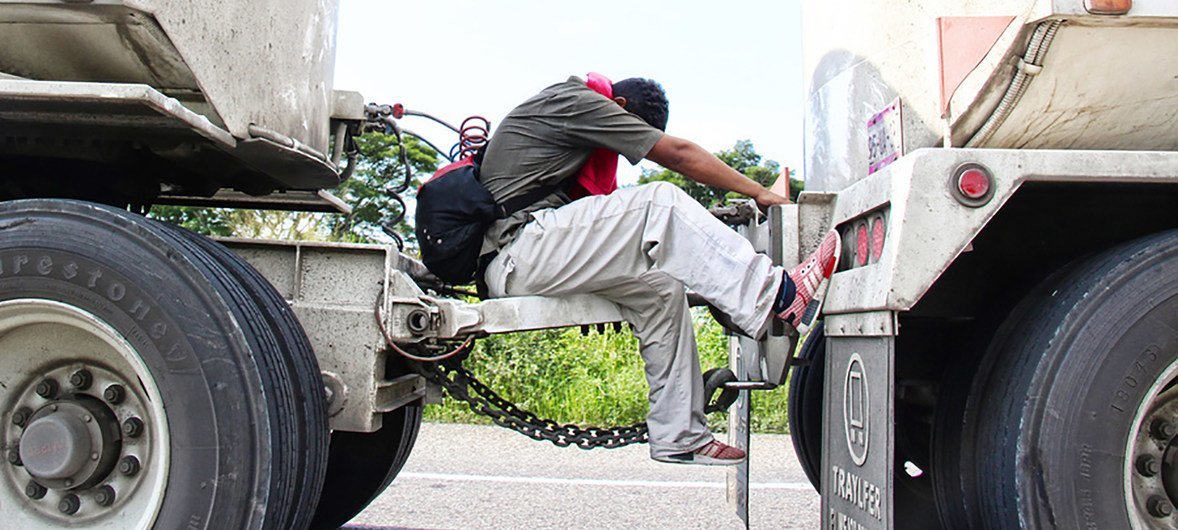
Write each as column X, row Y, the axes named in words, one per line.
column 392, row 395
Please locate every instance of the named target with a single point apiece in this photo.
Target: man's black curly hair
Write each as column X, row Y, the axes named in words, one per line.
column 644, row 98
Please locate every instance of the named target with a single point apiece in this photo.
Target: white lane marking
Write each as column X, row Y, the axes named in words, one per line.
column 804, row 486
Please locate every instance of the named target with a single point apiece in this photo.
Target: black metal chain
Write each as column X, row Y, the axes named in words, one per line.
column 460, row 382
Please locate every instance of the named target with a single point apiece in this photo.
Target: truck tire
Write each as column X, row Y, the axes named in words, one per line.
column 152, row 371
column 955, row 423
column 805, row 405
column 362, row 465
column 1071, row 421
column 299, row 364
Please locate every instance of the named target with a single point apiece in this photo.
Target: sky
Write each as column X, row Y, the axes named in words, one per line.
column 732, row 70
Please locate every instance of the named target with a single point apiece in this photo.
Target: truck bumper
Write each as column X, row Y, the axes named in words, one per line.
column 927, row 226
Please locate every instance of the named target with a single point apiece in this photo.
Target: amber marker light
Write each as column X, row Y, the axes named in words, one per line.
column 1108, row 7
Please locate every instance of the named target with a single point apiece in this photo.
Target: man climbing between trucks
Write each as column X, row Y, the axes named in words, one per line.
column 640, row 247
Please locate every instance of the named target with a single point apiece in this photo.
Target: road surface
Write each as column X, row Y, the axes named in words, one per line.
column 463, row 476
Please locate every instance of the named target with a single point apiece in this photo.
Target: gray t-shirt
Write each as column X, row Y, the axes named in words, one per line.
column 547, row 139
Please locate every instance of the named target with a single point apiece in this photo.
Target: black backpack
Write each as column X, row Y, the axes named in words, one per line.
column 454, row 211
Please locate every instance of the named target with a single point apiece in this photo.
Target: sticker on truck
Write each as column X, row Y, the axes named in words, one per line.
column 885, row 137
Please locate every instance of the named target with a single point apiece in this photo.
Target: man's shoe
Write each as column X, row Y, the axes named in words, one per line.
column 811, row 278
column 714, row 453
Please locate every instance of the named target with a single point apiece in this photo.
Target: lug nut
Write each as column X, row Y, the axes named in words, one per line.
column 1160, row 507
column 105, row 496
column 21, row 416
column 47, row 388
column 115, row 394
column 1162, row 430
column 1147, row 465
column 133, row 427
column 81, row 379
column 35, row 491
column 14, row 457
column 129, row 466
column 70, row 504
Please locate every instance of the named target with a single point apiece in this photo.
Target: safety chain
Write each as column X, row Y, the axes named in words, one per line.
column 459, row 382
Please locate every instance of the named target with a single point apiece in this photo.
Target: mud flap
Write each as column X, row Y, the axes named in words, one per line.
column 858, row 439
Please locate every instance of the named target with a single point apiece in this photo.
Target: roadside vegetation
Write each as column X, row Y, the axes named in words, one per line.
column 593, row 379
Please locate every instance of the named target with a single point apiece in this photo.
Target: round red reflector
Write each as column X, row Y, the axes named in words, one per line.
column 861, row 249
column 973, row 183
column 877, row 238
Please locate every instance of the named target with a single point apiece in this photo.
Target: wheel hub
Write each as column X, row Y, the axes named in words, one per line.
column 70, row 443
column 80, row 441
column 82, row 423
column 1154, row 463
column 55, row 446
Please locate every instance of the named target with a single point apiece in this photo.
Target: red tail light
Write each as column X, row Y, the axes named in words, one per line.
column 878, row 230
column 861, row 244
column 973, row 183
column 863, row 239
column 1108, row 7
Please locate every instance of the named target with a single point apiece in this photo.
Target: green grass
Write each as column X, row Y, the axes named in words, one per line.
column 593, row 379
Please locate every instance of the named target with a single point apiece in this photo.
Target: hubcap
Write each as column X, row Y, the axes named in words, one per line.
column 78, row 384
column 56, row 446
column 72, row 442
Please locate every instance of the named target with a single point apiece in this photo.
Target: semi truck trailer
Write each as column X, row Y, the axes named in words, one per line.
column 998, row 347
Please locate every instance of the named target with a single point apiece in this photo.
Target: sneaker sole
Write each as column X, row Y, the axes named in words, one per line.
column 813, row 309
column 700, row 460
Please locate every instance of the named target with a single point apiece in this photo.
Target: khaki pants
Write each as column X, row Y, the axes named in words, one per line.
column 642, row 248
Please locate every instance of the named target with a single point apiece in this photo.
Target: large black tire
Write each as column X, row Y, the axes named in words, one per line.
column 959, row 404
column 362, row 465
column 240, row 429
column 806, row 398
column 299, row 364
column 1063, row 391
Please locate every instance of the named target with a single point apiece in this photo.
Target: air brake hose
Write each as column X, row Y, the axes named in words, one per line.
column 1028, row 67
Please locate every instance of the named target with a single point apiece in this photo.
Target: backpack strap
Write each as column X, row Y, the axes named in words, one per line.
column 510, row 206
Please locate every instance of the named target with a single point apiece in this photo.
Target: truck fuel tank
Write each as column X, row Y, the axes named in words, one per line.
column 267, row 63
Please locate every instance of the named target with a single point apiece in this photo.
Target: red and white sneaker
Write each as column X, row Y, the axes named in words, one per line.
column 811, row 278
column 714, row 453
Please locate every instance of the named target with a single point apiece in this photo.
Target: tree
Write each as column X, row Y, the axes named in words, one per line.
column 207, row 221
column 380, row 171
column 743, row 158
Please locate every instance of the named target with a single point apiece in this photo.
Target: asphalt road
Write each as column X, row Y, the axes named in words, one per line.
column 462, row 476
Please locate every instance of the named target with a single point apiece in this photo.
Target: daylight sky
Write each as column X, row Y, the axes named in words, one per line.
column 732, row 69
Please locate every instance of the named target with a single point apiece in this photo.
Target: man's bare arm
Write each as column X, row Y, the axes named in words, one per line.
column 694, row 162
